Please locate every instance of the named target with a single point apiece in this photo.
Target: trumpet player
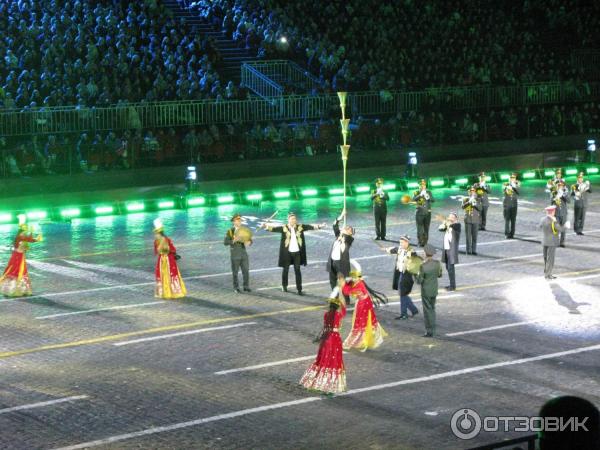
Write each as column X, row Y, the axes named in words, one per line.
column 510, row 203
column 550, row 239
column 580, row 192
column 483, row 190
column 560, row 198
column 239, row 256
column 451, row 228
column 552, row 184
column 423, row 200
column 471, row 205
column 380, row 198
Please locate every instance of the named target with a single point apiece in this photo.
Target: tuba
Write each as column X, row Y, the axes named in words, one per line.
column 244, row 234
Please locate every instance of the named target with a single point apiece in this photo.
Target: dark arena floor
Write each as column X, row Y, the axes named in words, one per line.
column 94, row 360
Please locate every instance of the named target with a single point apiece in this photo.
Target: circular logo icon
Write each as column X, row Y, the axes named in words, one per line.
column 465, row 424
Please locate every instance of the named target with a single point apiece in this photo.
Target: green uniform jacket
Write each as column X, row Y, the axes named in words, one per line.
column 428, row 276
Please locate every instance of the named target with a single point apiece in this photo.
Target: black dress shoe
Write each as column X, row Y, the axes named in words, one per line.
column 413, row 314
column 377, row 238
column 562, row 245
column 429, row 335
column 401, row 317
column 237, row 291
column 580, row 233
column 474, row 253
column 300, row 293
column 247, row 289
column 450, row 288
column 283, row 288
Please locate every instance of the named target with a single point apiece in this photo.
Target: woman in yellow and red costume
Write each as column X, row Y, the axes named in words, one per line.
column 366, row 331
column 328, row 373
column 169, row 283
column 14, row 282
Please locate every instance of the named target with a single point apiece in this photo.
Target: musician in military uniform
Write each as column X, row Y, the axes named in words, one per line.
column 483, row 190
column 551, row 184
column 292, row 248
column 580, row 192
column 238, row 238
column 379, row 198
column 560, row 198
column 550, row 239
column 423, row 199
column 451, row 229
column 338, row 262
column 471, row 205
column 428, row 275
column 403, row 280
column 510, row 203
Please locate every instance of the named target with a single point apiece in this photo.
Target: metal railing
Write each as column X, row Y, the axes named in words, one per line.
column 274, row 77
column 587, row 60
column 286, row 108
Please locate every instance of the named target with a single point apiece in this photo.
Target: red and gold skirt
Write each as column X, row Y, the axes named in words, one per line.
column 169, row 283
column 327, row 374
column 14, row 282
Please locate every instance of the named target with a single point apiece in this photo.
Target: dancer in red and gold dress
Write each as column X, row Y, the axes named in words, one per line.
column 169, row 283
column 366, row 331
column 328, row 374
column 14, row 282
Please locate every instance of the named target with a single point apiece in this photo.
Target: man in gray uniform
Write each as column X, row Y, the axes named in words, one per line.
column 483, row 190
column 239, row 256
column 560, row 198
column 423, row 200
column 429, row 273
column 550, row 239
column 472, row 208
column 580, row 192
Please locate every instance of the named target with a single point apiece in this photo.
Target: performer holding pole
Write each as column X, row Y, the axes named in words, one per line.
column 483, row 190
column 292, row 248
column 338, row 262
column 423, row 199
column 345, row 148
column 15, row 282
column 169, row 283
column 580, row 192
column 380, row 198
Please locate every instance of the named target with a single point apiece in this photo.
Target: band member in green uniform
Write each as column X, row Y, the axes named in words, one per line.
column 511, row 191
column 379, row 198
column 483, row 190
column 423, row 199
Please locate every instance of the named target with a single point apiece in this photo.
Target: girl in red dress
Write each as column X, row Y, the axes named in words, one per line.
column 328, row 374
column 14, row 282
column 366, row 331
column 169, row 283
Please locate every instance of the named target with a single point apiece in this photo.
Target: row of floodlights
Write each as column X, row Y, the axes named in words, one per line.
column 192, row 201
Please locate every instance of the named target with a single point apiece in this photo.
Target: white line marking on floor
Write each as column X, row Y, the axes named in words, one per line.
column 497, row 327
column 271, row 364
column 42, row 404
column 70, row 272
column 288, row 404
column 89, row 311
column 503, row 241
column 510, row 258
column 182, row 333
column 132, row 273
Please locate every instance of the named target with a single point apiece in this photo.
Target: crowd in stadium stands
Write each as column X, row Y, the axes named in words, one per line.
column 235, row 141
column 88, row 53
column 409, row 44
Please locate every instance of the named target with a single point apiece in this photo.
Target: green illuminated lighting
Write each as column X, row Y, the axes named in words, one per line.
column 225, row 199
column 505, row 176
column 281, row 194
column 256, row 196
column 488, row 178
column 389, row 187
column 101, row 210
column 135, row 206
column 529, row 175
column 37, row 215
column 412, row 184
column 571, row 171
column 360, row 189
column 437, row 182
column 71, row 212
column 461, row 181
column 549, row 173
column 591, row 170
column 196, row 201
column 309, row 192
column 5, row 217
column 166, row 204
column 336, row 191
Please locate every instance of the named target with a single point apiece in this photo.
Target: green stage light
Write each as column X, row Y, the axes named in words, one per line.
column 309, row 192
column 166, row 204
column 70, row 213
column 461, row 181
column 254, row 197
column 529, row 175
column 389, row 187
column 103, row 210
column 5, row 217
column 549, row 172
column 437, row 182
column 135, row 206
column 591, row 170
column 505, row 176
column 336, row 191
column 37, row 215
column 225, row 198
column 412, row 184
column 571, row 171
column 361, row 189
column 488, row 178
column 196, row 201
column 281, row 194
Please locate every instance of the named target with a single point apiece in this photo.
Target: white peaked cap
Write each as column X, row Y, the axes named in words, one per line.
column 158, row 224
column 22, row 219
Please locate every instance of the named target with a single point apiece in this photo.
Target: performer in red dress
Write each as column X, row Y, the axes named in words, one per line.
column 169, row 283
column 328, row 374
column 366, row 331
column 14, row 282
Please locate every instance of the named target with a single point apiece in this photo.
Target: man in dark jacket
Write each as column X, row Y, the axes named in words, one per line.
column 339, row 255
column 292, row 248
column 429, row 273
column 403, row 279
column 451, row 229
column 239, row 256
